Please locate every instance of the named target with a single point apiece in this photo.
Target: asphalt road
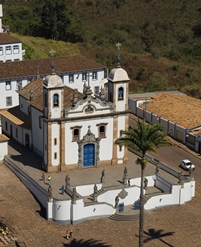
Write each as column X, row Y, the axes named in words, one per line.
column 174, row 155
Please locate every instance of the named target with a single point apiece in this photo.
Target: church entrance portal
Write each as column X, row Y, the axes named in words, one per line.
column 89, row 154
column 88, row 150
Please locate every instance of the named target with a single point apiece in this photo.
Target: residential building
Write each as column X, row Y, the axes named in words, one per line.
column 73, row 70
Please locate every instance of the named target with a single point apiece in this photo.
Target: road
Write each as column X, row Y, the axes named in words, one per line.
column 175, row 154
column 173, row 157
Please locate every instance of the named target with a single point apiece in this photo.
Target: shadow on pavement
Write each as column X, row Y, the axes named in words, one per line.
column 24, row 155
column 85, row 243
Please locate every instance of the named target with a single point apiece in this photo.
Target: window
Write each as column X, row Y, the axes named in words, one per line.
column 8, row 101
column 55, row 156
column 102, row 130
column 120, row 134
column 121, row 93
column 94, row 75
column 16, row 49
column 84, row 76
column 1, row 50
column 71, row 79
column 8, row 50
column 17, row 59
column 96, row 90
column 6, row 125
column 55, row 141
column 56, row 100
column 9, row 60
column 76, row 135
column 16, row 133
column 8, row 85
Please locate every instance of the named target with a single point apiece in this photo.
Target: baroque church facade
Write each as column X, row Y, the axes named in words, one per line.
column 67, row 128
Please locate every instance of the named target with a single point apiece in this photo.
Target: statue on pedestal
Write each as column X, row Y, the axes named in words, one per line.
column 103, row 176
column 50, row 191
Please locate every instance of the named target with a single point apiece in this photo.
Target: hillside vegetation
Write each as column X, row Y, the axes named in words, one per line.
column 161, row 40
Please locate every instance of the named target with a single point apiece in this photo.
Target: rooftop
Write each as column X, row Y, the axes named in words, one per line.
column 5, row 38
column 183, row 110
column 30, row 68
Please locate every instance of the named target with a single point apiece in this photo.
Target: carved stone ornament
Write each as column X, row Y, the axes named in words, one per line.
column 91, row 101
column 123, row 194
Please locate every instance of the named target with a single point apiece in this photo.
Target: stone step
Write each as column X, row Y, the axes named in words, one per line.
column 128, row 217
column 7, row 239
column 98, row 192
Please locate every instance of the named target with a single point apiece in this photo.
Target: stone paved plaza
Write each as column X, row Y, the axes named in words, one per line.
column 20, row 209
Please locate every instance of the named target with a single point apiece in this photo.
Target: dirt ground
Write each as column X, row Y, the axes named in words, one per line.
column 177, row 226
column 180, row 109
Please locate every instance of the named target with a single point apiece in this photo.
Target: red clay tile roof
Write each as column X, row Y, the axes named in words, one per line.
column 17, row 117
column 36, row 87
column 29, row 68
column 5, row 38
column 180, row 109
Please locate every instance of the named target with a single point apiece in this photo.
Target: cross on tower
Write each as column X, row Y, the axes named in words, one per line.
column 118, row 45
column 52, row 52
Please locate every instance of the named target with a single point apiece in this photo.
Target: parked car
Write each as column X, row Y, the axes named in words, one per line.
column 186, row 164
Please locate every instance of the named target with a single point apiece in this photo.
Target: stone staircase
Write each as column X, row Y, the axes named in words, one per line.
column 98, row 192
column 8, row 239
column 133, row 215
column 89, row 199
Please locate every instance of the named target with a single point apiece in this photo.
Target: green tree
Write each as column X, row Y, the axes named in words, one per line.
column 54, row 18
column 145, row 137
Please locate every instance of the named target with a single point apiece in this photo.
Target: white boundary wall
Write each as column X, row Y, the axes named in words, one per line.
column 64, row 212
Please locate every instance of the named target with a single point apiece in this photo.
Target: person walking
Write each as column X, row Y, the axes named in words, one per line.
column 67, row 234
column 62, row 189
column 71, row 233
column 49, row 180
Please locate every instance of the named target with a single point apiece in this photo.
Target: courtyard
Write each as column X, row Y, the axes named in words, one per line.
column 170, row 226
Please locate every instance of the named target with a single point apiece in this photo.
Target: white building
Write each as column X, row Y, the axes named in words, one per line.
column 68, row 128
column 10, row 47
column 74, row 71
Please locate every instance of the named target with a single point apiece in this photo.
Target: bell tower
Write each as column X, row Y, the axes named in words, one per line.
column 118, row 86
column 53, row 95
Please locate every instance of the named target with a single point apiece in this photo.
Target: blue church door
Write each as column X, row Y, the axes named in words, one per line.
column 89, row 155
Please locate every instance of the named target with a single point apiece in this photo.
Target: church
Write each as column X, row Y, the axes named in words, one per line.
column 67, row 128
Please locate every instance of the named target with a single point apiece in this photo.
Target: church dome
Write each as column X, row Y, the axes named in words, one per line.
column 53, row 80
column 118, row 74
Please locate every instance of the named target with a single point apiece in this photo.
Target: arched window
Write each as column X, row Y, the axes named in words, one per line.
column 120, row 93
column 56, row 100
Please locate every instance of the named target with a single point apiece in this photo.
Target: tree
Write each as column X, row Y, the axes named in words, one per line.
column 144, row 138
column 55, row 18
